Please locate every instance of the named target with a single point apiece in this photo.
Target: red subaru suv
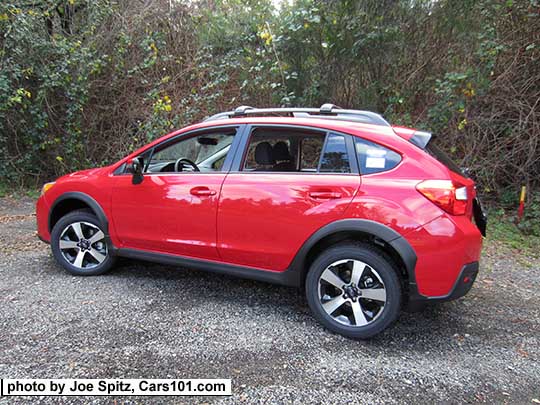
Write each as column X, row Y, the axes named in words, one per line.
column 368, row 217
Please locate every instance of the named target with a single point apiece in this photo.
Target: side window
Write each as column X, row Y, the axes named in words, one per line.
column 374, row 158
column 206, row 152
column 335, row 158
column 269, row 150
column 283, row 150
column 310, row 153
column 292, row 150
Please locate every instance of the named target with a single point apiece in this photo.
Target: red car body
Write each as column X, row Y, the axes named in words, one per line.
column 264, row 226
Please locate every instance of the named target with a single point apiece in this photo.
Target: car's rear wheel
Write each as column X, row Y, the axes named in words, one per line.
column 79, row 245
column 354, row 290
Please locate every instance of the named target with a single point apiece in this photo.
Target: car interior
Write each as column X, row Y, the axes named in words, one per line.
column 276, row 150
column 269, row 150
column 204, row 153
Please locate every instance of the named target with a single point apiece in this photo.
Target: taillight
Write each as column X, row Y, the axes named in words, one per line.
column 450, row 196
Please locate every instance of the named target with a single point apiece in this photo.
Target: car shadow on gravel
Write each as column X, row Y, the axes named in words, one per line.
column 443, row 319
column 215, row 286
column 178, row 288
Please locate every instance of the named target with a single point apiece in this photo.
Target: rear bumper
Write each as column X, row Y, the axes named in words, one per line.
column 443, row 248
column 462, row 286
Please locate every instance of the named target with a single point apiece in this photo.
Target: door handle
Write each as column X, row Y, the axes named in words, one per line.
column 324, row 195
column 202, row 191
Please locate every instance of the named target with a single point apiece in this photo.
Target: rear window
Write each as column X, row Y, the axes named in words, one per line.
column 442, row 157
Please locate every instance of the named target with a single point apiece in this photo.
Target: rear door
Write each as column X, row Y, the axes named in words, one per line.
column 287, row 183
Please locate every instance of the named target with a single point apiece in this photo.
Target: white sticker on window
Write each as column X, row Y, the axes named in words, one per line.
column 375, row 162
column 380, row 153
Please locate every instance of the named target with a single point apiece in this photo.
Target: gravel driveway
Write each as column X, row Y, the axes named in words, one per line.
column 150, row 321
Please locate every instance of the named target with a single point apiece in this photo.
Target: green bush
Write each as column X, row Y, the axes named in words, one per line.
column 83, row 82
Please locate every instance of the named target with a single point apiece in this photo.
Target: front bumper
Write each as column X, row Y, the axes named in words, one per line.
column 42, row 219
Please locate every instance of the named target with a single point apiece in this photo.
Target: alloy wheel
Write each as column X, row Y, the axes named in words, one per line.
column 352, row 293
column 83, row 245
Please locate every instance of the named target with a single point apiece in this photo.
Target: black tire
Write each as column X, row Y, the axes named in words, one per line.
column 375, row 259
column 92, row 269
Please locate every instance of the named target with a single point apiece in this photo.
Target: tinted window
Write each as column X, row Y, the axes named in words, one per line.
column 442, row 157
column 374, row 158
column 335, row 158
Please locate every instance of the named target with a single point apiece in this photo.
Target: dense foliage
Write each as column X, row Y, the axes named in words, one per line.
column 83, row 82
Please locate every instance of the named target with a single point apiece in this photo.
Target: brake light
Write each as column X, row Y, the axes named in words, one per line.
column 448, row 195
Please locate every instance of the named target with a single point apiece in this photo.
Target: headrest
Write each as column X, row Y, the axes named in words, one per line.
column 281, row 151
column 263, row 154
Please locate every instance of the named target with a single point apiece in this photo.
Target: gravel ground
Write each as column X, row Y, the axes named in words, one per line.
column 150, row 321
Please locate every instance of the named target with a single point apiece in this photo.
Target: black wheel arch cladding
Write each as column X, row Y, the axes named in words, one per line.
column 376, row 229
column 87, row 200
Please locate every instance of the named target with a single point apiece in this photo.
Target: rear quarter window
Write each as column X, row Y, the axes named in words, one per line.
column 375, row 158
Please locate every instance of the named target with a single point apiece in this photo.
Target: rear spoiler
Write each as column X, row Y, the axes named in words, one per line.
column 421, row 138
column 418, row 138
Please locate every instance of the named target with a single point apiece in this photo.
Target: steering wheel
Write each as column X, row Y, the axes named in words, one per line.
column 179, row 165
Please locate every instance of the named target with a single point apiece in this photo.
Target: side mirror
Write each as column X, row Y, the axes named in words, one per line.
column 135, row 167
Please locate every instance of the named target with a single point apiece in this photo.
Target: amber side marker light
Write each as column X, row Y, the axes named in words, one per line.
column 46, row 187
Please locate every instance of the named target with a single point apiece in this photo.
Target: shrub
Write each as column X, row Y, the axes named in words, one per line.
column 85, row 82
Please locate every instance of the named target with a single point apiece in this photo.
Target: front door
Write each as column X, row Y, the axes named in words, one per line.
column 174, row 209
column 290, row 183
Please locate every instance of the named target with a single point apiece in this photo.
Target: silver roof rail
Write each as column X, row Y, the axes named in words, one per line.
column 326, row 111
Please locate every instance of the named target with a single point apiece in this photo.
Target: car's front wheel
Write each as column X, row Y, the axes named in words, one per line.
column 78, row 244
column 354, row 290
